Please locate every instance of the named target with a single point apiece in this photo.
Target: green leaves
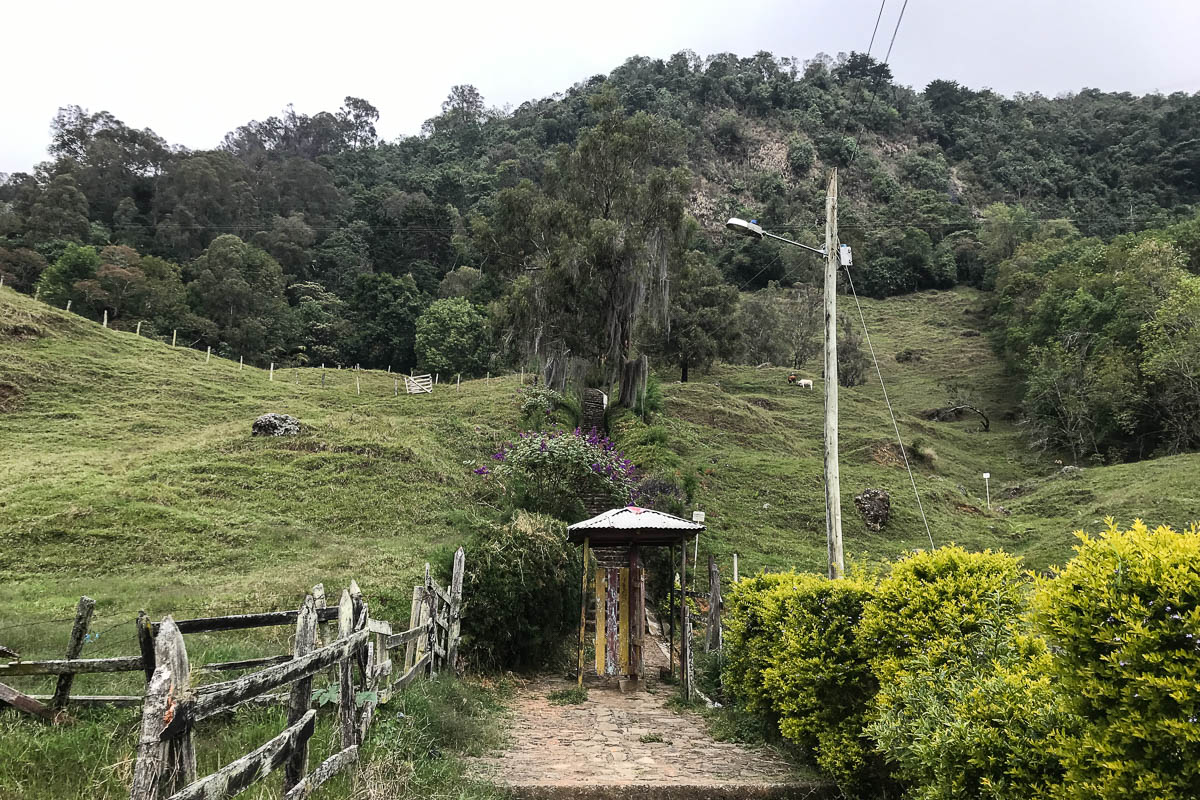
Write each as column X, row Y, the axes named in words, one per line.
column 1124, row 619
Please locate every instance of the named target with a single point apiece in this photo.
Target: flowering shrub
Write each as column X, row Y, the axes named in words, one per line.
column 551, row 472
column 1123, row 618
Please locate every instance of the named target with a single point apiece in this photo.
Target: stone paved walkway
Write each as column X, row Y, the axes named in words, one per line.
column 602, row 748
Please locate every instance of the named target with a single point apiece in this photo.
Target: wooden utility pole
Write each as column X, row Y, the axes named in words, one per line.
column 833, row 495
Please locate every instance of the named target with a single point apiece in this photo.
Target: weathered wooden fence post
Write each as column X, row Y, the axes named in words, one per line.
column 689, row 671
column 151, row 753
column 165, row 765
column 83, row 618
column 318, row 594
column 685, row 627
column 412, row 652
column 145, row 634
column 431, row 612
column 301, row 696
column 712, row 639
column 345, row 686
column 455, row 617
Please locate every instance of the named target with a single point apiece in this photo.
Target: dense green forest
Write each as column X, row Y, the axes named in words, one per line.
column 585, row 230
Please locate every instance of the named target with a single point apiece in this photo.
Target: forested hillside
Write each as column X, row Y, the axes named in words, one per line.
column 585, row 229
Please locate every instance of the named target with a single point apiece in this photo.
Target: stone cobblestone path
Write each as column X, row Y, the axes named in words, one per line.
column 605, row 747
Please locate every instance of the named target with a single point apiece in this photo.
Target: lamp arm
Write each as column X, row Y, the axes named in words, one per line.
column 817, row 250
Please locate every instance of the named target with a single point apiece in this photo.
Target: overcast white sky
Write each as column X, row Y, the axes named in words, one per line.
column 192, row 71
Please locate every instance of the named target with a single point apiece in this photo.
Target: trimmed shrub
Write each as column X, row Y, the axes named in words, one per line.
column 1124, row 620
column 520, row 593
column 793, row 653
column 936, row 601
column 973, row 728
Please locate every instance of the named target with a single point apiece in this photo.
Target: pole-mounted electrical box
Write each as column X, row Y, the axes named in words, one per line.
column 844, row 255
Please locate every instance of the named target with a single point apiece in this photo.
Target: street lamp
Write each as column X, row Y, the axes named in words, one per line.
column 755, row 231
column 834, row 257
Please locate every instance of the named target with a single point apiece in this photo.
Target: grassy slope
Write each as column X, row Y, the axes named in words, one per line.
column 758, row 442
column 127, row 472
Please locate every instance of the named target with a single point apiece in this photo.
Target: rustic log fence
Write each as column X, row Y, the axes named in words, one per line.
column 359, row 652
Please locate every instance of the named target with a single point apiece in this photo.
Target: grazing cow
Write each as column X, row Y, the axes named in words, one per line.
column 805, row 383
column 791, row 378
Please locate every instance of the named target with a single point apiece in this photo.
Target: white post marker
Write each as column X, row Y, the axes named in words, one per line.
column 174, row 333
column 207, row 353
column 357, row 382
column 68, row 305
column 241, row 363
column 272, row 373
column 139, row 328
column 735, row 571
column 987, row 488
column 105, row 323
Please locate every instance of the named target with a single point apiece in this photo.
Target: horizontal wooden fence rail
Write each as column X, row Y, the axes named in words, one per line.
column 234, row 622
column 72, row 666
column 216, row 697
column 241, row 774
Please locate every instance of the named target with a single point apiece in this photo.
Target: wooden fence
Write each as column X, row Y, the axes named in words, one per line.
column 360, row 652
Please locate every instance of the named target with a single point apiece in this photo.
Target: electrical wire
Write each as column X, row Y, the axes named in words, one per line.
column 895, row 31
column 899, row 440
column 877, row 18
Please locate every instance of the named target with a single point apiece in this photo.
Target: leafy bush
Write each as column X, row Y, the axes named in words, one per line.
column 550, row 472
column 451, row 337
column 793, row 653
column 939, row 599
column 801, row 154
column 539, row 398
column 1124, row 619
column 976, row 727
column 520, row 593
column 542, row 407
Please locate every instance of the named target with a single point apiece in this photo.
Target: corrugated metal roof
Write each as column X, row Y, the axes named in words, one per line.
column 632, row 518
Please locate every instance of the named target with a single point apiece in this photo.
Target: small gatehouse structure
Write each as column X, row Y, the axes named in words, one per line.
column 616, row 539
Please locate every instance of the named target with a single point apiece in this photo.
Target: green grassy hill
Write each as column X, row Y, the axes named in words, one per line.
column 758, row 444
column 128, row 472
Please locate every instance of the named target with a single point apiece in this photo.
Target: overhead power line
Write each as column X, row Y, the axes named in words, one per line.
column 894, row 32
column 877, row 18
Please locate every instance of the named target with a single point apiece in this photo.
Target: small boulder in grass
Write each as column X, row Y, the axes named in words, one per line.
column 876, row 507
column 275, row 425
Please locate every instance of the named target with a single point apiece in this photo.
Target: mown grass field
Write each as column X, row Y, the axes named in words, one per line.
column 128, row 473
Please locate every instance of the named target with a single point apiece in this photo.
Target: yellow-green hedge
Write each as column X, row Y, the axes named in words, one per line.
column 1123, row 619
